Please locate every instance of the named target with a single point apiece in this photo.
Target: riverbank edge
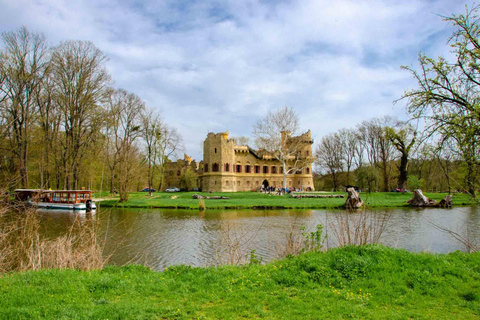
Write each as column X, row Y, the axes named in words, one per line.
column 370, row 281
column 380, row 200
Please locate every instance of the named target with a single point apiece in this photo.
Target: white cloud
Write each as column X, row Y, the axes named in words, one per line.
column 221, row 65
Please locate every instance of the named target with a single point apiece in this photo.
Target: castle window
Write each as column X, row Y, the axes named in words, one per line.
column 307, row 170
column 227, row 167
column 226, row 183
column 257, row 169
column 239, row 168
column 274, row 169
column 299, row 171
column 215, row 167
column 265, row 169
column 281, row 169
column 215, row 150
column 206, row 167
column 215, row 182
column 247, row 169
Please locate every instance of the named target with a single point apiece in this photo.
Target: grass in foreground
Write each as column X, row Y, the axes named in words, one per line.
column 256, row 200
column 353, row 282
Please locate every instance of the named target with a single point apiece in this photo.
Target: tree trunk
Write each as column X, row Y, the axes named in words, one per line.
column 403, row 172
column 419, row 200
column 471, row 178
column 353, row 199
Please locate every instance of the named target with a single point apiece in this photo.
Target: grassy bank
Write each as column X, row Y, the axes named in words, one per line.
column 253, row 200
column 352, row 282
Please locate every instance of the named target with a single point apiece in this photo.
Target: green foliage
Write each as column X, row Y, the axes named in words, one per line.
column 368, row 282
column 253, row 258
column 314, row 240
column 414, row 183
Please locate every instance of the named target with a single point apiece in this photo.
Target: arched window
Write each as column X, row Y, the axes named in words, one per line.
column 215, row 167
column 307, row 170
column 215, row 150
column 247, row 168
column 274, row 169
column 227, row 167
column 265, row 169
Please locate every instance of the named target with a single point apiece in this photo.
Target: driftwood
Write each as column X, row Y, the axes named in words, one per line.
column 299, row 196
column 420, row 200
column 197, row 196
column 353, row 199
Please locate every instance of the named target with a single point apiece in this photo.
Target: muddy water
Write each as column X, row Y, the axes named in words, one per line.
column 160, row 238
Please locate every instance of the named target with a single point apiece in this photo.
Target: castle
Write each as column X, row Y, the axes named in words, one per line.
column 228, row 167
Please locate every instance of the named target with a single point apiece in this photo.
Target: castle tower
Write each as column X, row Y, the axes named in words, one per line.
column 218, row 162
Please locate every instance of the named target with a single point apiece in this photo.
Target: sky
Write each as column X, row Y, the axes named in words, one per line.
column 213, row 66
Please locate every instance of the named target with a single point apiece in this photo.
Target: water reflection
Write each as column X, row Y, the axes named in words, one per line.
column 160, row 238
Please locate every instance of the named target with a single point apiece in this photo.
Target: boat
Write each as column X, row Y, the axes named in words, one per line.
column 57, row 199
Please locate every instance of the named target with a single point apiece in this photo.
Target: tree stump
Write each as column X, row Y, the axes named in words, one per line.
column 353, row 199
column 446, row 202
column 197, row 196
column 419, row 200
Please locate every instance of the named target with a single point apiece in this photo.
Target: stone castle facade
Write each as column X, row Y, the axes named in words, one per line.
column 176, row 174
column 228, row 167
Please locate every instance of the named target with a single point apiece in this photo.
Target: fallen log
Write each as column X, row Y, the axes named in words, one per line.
column 420, row 200
column 197, row 196
column 353, row 199
column 299, row 196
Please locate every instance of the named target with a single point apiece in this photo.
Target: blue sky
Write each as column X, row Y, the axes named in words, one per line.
column 221, row 65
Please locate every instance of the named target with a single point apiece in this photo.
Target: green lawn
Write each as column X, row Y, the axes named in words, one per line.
column 372, row 282
column 252, row 200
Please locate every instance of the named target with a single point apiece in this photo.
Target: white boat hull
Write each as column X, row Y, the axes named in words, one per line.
column 62, row 206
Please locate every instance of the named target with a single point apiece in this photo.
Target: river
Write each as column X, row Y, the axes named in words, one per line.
column 160, row 238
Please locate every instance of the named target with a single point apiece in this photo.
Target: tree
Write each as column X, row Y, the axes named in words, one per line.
column 23, row 66
column 241, row 141
column 189, row 179
column 330, row 156
column 403, row 136
column 152, row 128
column 125, row 112
column 81, row 82
column 169, row 144
column 371, row 134
column 448, row 96
column 274, row 134
column 350, row 150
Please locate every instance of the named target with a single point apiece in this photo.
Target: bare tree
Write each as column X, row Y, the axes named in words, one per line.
column 330, row 156
column 274, row 134
column 152, row 128
column 241, row 141
column 169, row 144
column 378, row 148
column 23, row 65
column 350, row 147
column 81, row 82
column 125, row 111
